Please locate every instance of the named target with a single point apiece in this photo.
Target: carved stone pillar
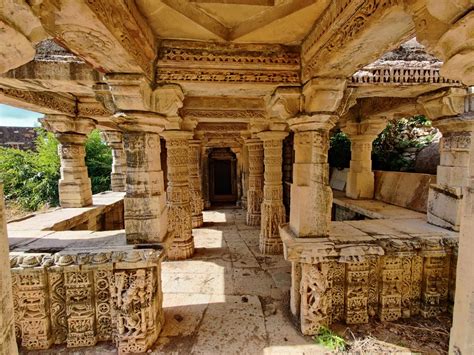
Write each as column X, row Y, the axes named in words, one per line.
column 146, row 219
column 178, row 194
column 7, row 326
column 360, row 179
column 195, row 182
column 445, row 197
column 238, row 174
column 461, row 339
column 255, row 181
column 272, row 209
column 311, row 195
column 244, row 175
column 118, row 177
column 205, row 177
column 74, row 185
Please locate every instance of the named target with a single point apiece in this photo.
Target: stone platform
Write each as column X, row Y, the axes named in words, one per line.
column 207, row 299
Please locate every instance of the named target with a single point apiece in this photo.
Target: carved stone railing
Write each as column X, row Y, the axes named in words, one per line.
column 403, row 75
column 351, row 279
column 81, row 298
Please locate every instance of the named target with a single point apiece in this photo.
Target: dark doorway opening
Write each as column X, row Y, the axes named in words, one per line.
column 222, row 176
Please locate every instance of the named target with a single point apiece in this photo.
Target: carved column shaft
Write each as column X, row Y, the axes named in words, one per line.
column 7, row 326
column 255, row 181
column 244, row 175
column 178, row 195
column 145, row 202
column 195, row 182
column 238, row 173
column 461, row 339
column 74, row 185
column 118, row 177
column 272, row 209
column 205, row 177
column 311, row 195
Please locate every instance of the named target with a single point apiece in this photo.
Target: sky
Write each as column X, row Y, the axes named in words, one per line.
column 15, row 117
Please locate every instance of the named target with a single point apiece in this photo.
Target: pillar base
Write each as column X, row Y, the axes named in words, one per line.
column 360, row 185
column 253, row 219
column 75, row 194
column 271, row 246
column 181, row 250
column 197, row 221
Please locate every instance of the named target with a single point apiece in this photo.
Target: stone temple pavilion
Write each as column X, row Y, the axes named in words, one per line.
column 211, row 102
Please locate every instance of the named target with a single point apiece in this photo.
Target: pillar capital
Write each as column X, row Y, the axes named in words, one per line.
column 315, row 122
column 367, row 129
column 443, row 103
column 68, row 124
column 286, row 102
column 170, row 135
column 140, row 121
column 272, row 135
column 323, row 94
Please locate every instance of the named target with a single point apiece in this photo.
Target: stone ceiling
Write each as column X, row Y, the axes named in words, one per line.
column 259, row 21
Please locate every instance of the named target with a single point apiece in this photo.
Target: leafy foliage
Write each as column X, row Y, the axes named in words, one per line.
column 339, row 155
column 327, row 338
column 394, row 149
column 31, row 177
column 99, row 162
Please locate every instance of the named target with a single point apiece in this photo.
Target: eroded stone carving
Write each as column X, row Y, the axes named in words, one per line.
column 255, row 181
column 89, row 296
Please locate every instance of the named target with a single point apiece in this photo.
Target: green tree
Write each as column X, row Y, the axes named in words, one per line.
column 31, row 177
column 99, row 162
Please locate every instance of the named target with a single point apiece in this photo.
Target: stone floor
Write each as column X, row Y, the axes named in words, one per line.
column 227, row 299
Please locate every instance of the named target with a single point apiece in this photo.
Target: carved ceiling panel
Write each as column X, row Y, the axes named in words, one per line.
column 260, row 21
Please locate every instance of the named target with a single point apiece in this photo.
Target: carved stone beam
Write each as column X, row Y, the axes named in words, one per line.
column 351, row 34
column 445, row 28
column 45, row 102
column 20, row 30
column 110, row 35
column 74, row 185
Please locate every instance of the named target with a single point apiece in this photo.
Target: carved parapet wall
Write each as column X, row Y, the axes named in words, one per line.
column 350, row 280
column 403, row 76
column 81, row 298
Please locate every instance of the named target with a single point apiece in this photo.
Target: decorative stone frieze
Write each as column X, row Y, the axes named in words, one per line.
column 403, row 76
column 255, row 181
column 197, row 204
column 311, row 195
column 178, row 194
column 118, row 177
column 81, row 298
column 272, row 209
column 353, row 280
column 360, row 178
column 7, row 322
column 74, row 185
